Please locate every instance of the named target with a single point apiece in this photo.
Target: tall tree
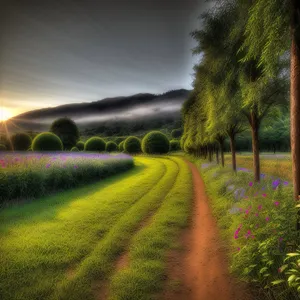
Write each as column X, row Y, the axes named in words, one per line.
column 273, row 27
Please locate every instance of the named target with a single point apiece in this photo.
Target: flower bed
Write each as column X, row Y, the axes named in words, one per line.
column 27, row 176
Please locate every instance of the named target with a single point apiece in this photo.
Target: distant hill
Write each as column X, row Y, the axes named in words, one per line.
column 110, row 116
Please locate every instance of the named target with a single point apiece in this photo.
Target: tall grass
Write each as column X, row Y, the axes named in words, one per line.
column 280, row 166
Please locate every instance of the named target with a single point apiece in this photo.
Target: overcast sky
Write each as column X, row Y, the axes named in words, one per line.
column 64, row 51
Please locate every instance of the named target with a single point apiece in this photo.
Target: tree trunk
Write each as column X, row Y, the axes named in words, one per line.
column 295, row 100
column 209, row 154
column 233, row 151
column 217, row 155
column 255, row 146
column 221, row 141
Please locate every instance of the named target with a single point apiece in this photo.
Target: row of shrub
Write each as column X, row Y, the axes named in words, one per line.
column 30, row 176
column 154, row 142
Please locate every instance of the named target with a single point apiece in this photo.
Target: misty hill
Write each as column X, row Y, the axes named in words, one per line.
column 119, row 115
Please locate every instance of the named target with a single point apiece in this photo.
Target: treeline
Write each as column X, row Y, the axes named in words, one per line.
column 139, row 126
column 241, row 85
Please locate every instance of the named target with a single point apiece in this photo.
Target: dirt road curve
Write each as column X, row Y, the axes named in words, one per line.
column 202, row 267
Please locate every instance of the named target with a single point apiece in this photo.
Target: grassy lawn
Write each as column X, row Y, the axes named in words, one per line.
column 57, row 246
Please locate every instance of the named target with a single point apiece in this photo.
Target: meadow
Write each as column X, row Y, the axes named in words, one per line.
column 61, row 245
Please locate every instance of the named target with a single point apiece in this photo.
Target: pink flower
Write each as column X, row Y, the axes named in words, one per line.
column 267, row 219
column 256, row 215
column 250, row 183
column 264, row 195
column 276, row 203
column 238, row 249
column 259, row 207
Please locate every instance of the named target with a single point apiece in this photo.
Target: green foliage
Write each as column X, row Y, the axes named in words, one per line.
column 111, row 147
column 176, row 133
column 132, row 145
column 118, row 140
column 75, row 149
column 175, row 145
column 95, row 144
column 4, row 140
column 21, row 141
column 121, row 146
column 67, row 131
column 155, row 142
column 2, row 147
column 267, row 35
column 47, row 141
column 80, row 145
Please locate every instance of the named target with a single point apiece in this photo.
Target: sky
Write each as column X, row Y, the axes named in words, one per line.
column 66, row 51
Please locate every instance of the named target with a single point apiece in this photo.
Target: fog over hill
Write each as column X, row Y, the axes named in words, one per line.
column 138, row 111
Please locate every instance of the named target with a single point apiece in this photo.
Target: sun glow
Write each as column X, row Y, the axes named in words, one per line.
column 4, row 114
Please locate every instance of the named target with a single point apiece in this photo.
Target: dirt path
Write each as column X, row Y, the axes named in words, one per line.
column 202, row 267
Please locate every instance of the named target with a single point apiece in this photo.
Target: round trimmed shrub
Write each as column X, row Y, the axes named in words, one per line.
column 74, row 149
column 118, row 140
column 155, row 142
column 47, row 141
column 176, row 133
column 121, row 146
column 174, row 145
column 21, row 141
column 132, row 145
column 67, row 130
column 80, row 145
column 95, row 144
column 2, row 147
column 111, row 147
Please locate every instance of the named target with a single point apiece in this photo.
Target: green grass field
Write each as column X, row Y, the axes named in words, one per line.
column 59, row 246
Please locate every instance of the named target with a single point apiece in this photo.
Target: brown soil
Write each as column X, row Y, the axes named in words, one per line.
column 200, row 270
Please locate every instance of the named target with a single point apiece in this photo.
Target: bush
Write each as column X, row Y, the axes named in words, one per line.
column 176, row 133
column 111, row 147
column 121, row 146
column 80, row 145
column 5, row 141
column 75, row 149
column 132, row 145
column 175, row 145
column 67, row 131
column 155, row 142
column 47, row 141
column 21, row 141
column 95, row 144
column 2, row 147
column 118, row 140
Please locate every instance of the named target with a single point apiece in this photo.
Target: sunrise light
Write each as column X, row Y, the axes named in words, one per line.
column 5, row 114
